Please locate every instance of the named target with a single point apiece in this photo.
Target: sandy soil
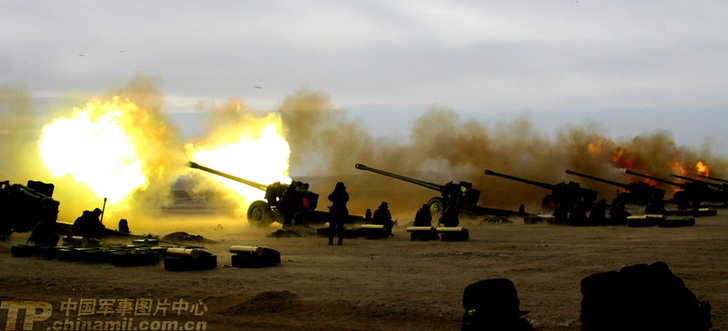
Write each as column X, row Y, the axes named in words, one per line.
column 386, row 284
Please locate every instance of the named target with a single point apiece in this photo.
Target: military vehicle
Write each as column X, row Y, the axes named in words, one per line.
column 693, row 193
column 293, row 201
column 639, row 193
column 564, row 194
column 23, row 207
column 461, row 196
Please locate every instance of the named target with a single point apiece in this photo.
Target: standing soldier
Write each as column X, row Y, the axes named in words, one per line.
column 288, row 203
column 338, row 212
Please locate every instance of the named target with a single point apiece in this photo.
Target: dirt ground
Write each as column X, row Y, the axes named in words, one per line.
column 385, row 284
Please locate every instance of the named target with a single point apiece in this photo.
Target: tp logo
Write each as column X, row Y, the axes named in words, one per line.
column 35, row 311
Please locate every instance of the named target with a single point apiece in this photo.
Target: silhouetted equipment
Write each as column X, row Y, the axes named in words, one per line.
column 24, row 207
column 692, row 192
column 262, row 213
column 639, row 193
column 254, row 256
column 719, row 195
column 492, row 304
column 641, row 297
column 422, row 233
column 718, row 179
column 563, row 194
column 463, row 197
column 183, row 259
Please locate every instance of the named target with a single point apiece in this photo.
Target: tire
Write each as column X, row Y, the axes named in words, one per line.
column 303, row 217
column 129, row 259
column 437, row 206
column 675, row 223
column 173, row 263
column 548, row 203
column 268, row 259
column 22, row 250
column 259, row 214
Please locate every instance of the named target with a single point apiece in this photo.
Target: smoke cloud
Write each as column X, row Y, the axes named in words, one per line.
column 326, row 143
column 442, row 148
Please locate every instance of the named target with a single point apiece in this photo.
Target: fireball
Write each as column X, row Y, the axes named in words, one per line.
column 256, row 151
column 702, row 169
column 96, row 148
column 595, row 148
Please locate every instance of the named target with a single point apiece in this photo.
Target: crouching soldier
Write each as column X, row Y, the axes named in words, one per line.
column 382, row 216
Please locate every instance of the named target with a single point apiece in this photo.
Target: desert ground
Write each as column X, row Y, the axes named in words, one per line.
column 383, row 284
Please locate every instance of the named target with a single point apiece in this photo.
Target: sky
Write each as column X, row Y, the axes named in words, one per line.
column 629, row 66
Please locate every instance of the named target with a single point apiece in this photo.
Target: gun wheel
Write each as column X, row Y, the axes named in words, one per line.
column 259, row 214
column 548, row 203
column 436, row 206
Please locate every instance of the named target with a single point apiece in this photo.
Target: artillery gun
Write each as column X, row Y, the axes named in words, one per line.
column 692, row 192
column 461, row 196
column 718, row 179
column 566, row 195
column 639, row 193
column 23, row 207
column 721, row 190
column 282, row 201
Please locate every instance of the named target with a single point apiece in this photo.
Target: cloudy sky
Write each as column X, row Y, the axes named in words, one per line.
column 631, row 66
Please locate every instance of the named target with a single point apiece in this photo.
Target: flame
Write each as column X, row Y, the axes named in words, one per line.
column 622, row 159
column 97, row 147
column 256, row 152
column 677, row 167
column 595, row 149
column 702, row 169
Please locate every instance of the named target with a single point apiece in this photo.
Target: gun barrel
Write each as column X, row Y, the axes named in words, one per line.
column 718, row 179
column 630, row 172
column 539, row 184
column 698, row 181
column 596, row 178
column 228, row 176
column 429, row 185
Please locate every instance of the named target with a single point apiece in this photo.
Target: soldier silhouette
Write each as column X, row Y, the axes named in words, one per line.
column 423, row 216
column 338, row 212
column 383, row 216
column 288, row 204
column 449, row 217
column 89, row 225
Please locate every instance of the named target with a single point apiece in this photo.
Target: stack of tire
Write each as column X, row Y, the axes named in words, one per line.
column 422, row 233
column 658, row 220
column 118, row 255
column 189, row 259
column 254, row 256
column 374, row 231
column 455, row 233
